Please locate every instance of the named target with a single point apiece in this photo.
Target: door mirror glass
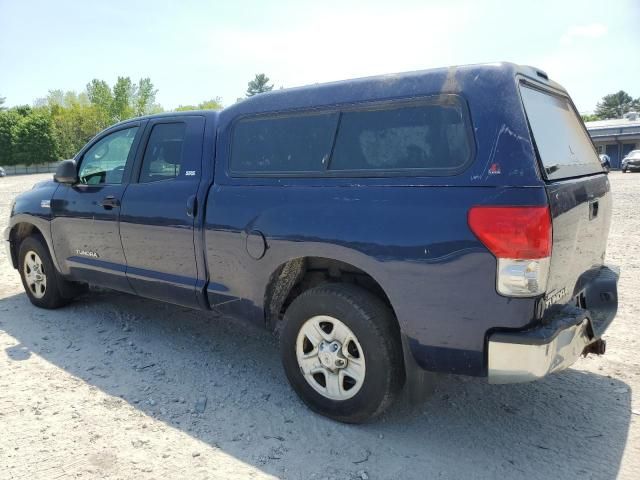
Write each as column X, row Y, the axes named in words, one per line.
column 66, row 172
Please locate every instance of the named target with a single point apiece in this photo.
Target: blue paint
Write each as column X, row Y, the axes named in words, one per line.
column 408, row 232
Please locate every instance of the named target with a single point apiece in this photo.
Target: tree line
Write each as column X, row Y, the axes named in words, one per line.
column 57, row 126
column 614, row 105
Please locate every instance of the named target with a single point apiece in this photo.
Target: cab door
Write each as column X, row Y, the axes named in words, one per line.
column 85, row 215
column 158, row 210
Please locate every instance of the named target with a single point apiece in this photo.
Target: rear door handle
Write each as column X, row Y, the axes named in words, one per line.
column 593, row 209
column 109, row 202
column 192, row 206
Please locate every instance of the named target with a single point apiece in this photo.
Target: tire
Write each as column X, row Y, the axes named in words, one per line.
column 368, row 369
column 40, row 280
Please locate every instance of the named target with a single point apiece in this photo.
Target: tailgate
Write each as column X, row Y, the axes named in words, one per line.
column 581, row 215
column 578, row 191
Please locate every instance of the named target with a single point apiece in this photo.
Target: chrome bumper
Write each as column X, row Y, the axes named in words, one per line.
column 515, row 362
column 567, row 333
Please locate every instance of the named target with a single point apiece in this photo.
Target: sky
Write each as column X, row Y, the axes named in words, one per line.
column 197, row 50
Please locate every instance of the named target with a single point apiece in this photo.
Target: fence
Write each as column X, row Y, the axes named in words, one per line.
column 24, row 169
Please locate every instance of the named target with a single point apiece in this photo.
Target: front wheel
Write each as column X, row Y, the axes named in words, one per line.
column 341, row 352
column 40, row 280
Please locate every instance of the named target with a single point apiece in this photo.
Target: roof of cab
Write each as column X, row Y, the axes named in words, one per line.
column 185, row 113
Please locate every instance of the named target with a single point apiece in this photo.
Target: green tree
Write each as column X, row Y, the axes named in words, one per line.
column 74, row 126
column 35, row 140
column 213, row 104
column 589, row 117
column 100, row 95
column 76, row 120
column 8, row 123
column 2, row 100
column 123, row 99
column 616, row 105
column 258, row 85
column 145, row 98
column 22, row 110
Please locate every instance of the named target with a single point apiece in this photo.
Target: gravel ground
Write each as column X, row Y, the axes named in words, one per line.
column 115, row 386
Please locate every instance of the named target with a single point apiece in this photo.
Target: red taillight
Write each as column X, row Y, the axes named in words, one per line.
column 513, row 232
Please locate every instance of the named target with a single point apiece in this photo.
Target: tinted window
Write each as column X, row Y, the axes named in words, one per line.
column 105, row 161
column 300, row 143
column 429, row 136
column 563, row 144
column 163, row 157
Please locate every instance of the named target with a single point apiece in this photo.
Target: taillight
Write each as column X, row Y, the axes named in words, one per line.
column 520, row 238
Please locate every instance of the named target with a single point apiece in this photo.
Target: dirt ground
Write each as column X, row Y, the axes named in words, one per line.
column 119, row 387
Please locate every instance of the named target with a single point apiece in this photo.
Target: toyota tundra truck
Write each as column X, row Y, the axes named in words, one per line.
column 450, row 220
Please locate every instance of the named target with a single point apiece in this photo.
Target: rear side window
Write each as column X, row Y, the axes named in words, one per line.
column 298, row 143
column 163, row 157
column 432, row 136
column 563, row 144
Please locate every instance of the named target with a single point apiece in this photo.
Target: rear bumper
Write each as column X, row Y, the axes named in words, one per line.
column 566, row 333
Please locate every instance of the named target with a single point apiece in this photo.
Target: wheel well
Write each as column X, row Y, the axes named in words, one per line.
column 300, row 274
column 19, row 232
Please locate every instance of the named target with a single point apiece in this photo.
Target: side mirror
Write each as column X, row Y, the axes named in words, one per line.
column 66, row 172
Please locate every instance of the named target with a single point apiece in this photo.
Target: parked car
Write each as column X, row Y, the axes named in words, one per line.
column 382, row 226
column 2, row 172
column 605, row 161
column 631, row 162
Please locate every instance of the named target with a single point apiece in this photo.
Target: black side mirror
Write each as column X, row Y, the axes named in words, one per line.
column 66, row 172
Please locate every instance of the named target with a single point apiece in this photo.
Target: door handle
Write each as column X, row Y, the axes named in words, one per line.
column 192, row 206
column 109, row 202
column 593, row 209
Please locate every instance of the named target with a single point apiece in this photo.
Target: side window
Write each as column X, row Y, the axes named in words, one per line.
column 429, row 136
column 105, row 161
column 163, row 157
column 295, row 143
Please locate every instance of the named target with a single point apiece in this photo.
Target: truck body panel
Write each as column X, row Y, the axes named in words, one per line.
column 211, row 238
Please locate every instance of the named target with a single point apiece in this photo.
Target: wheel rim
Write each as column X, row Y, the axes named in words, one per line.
column 34, row 274
column 330, row 357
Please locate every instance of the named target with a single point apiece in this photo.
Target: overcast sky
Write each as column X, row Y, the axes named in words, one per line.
column 196, row 50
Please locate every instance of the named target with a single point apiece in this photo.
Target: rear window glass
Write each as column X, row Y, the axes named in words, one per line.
column 432, row 136
column 563, row 144
column 298, row 143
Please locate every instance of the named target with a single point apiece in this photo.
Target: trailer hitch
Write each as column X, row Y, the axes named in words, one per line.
column 598, row 348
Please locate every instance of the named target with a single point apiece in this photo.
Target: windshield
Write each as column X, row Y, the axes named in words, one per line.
column 563, row 144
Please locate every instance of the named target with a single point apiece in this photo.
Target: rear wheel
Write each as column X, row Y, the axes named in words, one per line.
column 341, row 352
column 41, row 282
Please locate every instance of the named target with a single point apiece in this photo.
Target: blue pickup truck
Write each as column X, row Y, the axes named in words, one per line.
column 450, row 220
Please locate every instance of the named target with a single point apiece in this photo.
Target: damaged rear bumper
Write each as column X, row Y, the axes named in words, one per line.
column 567, row 332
